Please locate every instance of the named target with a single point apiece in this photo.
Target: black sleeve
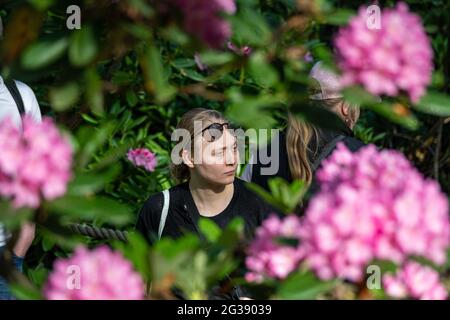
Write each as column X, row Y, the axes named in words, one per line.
column 149, row 216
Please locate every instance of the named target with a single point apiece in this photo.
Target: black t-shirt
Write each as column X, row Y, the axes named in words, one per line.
column 183, row 214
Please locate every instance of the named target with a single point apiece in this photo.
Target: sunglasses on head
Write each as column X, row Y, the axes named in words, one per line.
column 215, row 130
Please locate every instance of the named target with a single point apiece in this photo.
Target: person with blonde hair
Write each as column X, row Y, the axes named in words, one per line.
column 303, row 146
column 204, row 163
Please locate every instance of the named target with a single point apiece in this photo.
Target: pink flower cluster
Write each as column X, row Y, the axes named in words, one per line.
column 143, row 158
column 203, row 19
column 34, row 163
column 396, row 57
column 268, row 255
column 372, row 205
column 416, row 281
column 100, row 274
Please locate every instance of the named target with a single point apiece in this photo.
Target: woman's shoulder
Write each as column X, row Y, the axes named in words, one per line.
column 156, row 200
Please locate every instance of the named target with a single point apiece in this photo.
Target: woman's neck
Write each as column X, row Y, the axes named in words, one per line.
column 210, row 199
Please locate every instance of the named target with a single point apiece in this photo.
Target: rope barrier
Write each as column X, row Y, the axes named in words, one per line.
column 99, row 233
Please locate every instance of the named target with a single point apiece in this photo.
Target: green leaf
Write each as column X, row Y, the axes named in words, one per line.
column 262, row 72
column 232, row 234
column 142, row 7
column 38, row 275
column 132, row 98
column 282, row 195
column 358, row 96
column 408, row 120
column 43, row 53
column 209, row 229
column 112, row 155
column 192, row 74
column 155, row 80
column 83, row 46
column 94, row 91
column 183, row 63
column 214, row 58
column 138, row 252
column 42, row 5
column 251, row 111
column 339, row 17
column 303, row 285
column 25, row 292
column 250, row 28
column 11, row 217
column 91, row 140
column 89, row 183
column 101, row 209
column 64, row 97
column 434, row 103
column 47, row 242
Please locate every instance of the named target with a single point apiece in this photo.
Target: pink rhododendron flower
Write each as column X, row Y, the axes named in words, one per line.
column 143, row 158
column 397, row 57
column 415, row 281
column 372, row 205
column 35, row 163
column 268, row 256
column 100, row 274
column 202, row 18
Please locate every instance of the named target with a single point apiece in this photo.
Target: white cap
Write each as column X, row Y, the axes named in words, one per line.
column 328, row 81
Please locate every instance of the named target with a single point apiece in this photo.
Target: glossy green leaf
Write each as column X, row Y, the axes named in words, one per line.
column 434, row 103
column 83, row 46
column 64, row 97
column 43, row 53
column 303, row 285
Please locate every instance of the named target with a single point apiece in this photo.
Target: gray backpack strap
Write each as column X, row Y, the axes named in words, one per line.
column 326, row 150
column 164, row 212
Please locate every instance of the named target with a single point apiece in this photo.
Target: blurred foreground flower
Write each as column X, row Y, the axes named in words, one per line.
column 143, row 158
column 373, row 205
column 396, row 57
column 276, row 251
column 100, row 274
column 33, row 163
column 202, row 18
column 416, row 281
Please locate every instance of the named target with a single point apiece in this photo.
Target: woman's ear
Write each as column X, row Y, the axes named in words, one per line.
column 187, row 160
column 345, row 109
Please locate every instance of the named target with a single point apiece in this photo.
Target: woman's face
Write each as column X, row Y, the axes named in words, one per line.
column 216, row 161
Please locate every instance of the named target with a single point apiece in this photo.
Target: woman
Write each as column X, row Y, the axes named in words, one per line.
column 207, row 187
column 302, row 146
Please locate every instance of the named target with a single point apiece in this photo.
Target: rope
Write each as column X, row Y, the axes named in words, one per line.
column 99, row 233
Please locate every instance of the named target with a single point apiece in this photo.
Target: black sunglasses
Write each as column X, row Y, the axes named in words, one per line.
column 214, row 131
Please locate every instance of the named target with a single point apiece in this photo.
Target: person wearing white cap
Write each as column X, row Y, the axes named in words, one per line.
column 16, row 100
column 302, row 146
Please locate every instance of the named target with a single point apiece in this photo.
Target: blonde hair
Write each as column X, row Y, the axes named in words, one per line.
column 299, row 134
column 180, row 172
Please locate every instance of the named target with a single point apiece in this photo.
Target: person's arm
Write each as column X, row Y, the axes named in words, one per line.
column 25, row 239
column 28, row 230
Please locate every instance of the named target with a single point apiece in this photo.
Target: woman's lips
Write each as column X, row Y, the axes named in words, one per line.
column 229, row 173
